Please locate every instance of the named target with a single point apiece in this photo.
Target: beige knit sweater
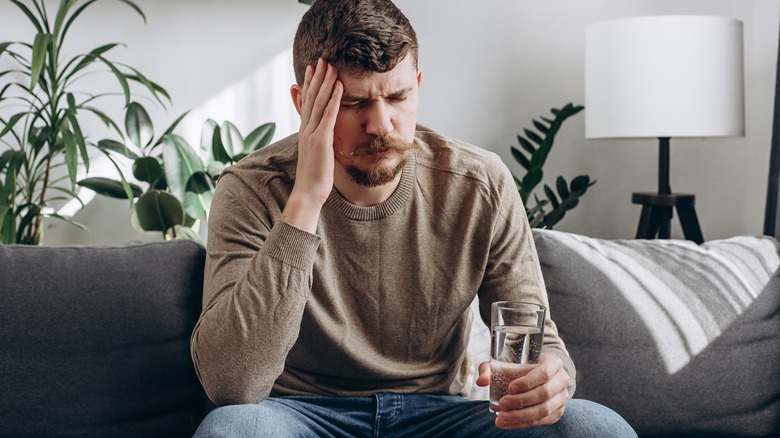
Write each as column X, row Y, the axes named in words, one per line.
column 376, row 301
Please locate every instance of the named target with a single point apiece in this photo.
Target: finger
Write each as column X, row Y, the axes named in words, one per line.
column 483, row 377
column 312, row 89
column 321, row 91
column 547, row 369
column 550, row 419
column 305, row 106
column 332, row 109
column 547, row 412
column 539, row 395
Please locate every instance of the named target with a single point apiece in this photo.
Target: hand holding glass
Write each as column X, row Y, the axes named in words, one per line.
column 517, row 330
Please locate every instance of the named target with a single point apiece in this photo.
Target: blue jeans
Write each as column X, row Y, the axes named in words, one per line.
column 396, row 415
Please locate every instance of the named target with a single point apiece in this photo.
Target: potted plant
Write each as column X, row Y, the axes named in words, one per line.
column 545, row 213
column 43, row 109
column 180, row 179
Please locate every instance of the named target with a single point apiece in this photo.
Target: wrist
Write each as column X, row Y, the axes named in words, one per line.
column 302, row 211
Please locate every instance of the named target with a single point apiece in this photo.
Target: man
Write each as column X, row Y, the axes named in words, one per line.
column 342, row 262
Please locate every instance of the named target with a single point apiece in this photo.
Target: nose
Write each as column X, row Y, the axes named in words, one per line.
column 379, row 120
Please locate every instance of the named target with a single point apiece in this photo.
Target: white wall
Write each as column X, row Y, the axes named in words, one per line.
column 489, row 67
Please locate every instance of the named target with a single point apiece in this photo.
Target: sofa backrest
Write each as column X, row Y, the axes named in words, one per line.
column 94, row 340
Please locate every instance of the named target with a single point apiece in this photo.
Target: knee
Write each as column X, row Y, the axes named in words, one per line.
column 583, row 418
column 238, row 421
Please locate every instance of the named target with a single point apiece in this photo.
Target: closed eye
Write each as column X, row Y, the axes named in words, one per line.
column 353, row 103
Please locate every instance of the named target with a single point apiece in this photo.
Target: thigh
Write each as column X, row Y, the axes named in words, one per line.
column 288, row 417
column 449, row 416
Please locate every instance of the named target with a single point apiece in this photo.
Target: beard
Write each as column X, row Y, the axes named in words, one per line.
column 378, row 175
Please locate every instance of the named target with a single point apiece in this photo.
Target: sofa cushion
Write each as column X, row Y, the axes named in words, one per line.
column 94, row 340
column 680, row 339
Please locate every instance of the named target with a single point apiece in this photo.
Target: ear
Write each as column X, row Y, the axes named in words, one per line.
column 419, row 78
column 296, row 92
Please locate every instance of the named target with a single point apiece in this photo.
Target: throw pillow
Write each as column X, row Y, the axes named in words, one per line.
column 681, row 339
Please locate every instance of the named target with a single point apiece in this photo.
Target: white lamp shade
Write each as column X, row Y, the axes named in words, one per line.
column 664, row 76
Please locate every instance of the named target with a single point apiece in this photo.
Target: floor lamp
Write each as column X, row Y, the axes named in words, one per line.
column 663, row 77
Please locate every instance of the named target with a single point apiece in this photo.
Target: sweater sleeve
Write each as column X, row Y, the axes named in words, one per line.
column 513, row 271
column 257, row 281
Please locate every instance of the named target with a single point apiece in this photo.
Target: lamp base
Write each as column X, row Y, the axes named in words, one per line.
column 657, row 212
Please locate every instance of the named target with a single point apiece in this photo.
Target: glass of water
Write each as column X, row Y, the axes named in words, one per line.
column 517, row 330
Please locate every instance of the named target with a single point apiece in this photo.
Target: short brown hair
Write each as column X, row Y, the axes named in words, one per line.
column 359, row 35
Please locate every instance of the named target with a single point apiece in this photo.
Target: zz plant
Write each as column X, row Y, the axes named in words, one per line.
column 536, row 146
column 42, row 110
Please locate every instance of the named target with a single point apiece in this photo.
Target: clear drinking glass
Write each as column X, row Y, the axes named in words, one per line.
column 517, row 330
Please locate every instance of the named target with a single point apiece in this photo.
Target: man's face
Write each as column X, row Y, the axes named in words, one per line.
column 377, row 107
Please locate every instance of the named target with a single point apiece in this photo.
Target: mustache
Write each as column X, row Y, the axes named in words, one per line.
column 379, row 144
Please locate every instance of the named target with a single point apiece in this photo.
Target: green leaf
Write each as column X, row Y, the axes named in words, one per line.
column 74, row 123
column 73, row 18
column 551, row 196
column 109, row 187
column 30, row 15
column 533, row 136
column 71, row 155
column 157, row 210
column 102, row 116
column 520, row 158
column 4, row 46
column 33, row 211
column 135, row 7
column 7, row 225
column 215, row 168
column 15, row 160
column 527, row 145
column 180, row 163
column 126, row 185
column 90, row 57
column 119, row 77
column 186, row 233
column 70, row 221
column 170, row 128
column 580, row 184
column 218, row 152
column 199, row 183
column 540, row 126
column 232, row 140
column 147, row 169
column 11, row 122
column 198, row 195
column 259, row 138
column 115, row 146
column 562, row 187
column 40, row 49
column 138, row 125
column 60, row 17
column 207, row 137
column 153, row 88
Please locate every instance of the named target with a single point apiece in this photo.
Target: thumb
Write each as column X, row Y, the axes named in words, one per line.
column 483, row 379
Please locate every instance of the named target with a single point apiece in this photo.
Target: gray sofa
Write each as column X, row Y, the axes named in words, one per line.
column 94, row 341
column 682, row 340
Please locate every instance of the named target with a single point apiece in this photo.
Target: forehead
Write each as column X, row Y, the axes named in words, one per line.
column 402, row 76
